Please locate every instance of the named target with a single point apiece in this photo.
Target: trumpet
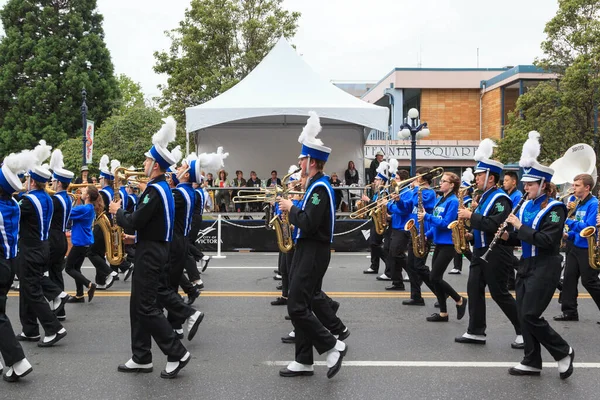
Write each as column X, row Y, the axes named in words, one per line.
column 439, row 171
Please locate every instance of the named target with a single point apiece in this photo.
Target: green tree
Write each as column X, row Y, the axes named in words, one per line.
column 217, row 44
column 131, row 94
column 563, row 111
column 51, row 50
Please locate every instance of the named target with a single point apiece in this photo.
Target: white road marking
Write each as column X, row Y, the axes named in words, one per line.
column 436, row 364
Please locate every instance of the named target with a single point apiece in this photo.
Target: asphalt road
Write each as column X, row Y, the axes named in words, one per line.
column 393, row 352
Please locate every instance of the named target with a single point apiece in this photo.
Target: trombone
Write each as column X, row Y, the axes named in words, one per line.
column 267, row 195
column 439, row 171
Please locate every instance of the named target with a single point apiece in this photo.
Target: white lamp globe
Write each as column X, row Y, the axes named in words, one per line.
column 423, row 132
column 404, row 133
column 413, row 113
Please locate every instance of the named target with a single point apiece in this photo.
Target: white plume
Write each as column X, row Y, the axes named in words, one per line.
column 468, row 176
column 21, row 162
column 531, row 150
column 114, row 164
column 57, row 160
column 213, row 161
column 132, row 168
column 191, row 157
column 103, row 166
column 393, row 166
column 311, row 130
column 485, row 150
column 292, row 168
column 383, row 168
column 166, row 133
column 177, row 154
column 42, row 152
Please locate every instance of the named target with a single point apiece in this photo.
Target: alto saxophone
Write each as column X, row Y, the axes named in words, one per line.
column 458, row 227
column 563, row 241
column 379, row 216
column 114, row 252
column 593, row 240
column 419, row 244
column 283, row 230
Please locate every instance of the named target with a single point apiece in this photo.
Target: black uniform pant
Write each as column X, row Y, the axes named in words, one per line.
column 534, row 288
column 442, row 256
column 74, row 262
column 418, row 272
column 494, row 274
column 377, row 252
column 399, row 240
column 32, row 304
column 54, row 284
column 511, row 272
column 195, row 255
column 168, row 296
column 10, row 348
column 96, row 254
column 309, row 265
column 458, row 259
column 285, row 272
column 147, row 319
column 577, row 266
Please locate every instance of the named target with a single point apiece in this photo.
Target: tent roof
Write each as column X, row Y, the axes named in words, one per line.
column 283, row 84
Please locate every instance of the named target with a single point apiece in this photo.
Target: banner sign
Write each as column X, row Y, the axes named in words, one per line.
column 89, row 144
column 234, row 238
column 431, row 152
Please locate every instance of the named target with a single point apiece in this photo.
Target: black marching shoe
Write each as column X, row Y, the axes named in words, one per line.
column 395, row 287
column 567, row 317
column 280, row 301
column 182, row 363
column 192, row 296
column 523, row 372
column 460, row 310
column 131, row 366
column 128, row 273
column 331, row 372
column 435, row 317
column 568, row 372
column 279, row 287
column 75, row 299
column 298, row 370
column 288, row 318
column 12, row 376
column 288, row 339
column 54, row 338
column 22, row 338
column 413, row 302
column 344, row 335
column 370, row 271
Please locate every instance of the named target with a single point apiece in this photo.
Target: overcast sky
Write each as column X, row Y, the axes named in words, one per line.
column 358, row 40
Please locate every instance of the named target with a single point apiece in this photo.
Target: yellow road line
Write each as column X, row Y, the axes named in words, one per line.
column 355, row 295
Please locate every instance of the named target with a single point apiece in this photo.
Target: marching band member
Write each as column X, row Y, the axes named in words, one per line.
column 10, row 348
column 445, row 211
column 36, row 213
column 510, row 187
column 493, row 208
column 82, row 237
column 153, row 220
column 97, row 251
column 399, row 238
column 577, row 264
column 467, row 179
column 539, row 228
column 315, row 219
column 376, row 239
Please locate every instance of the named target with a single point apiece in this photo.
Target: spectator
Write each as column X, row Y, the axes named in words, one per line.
column 84, row 176
column 94, row 180
column 253, row 182
column 239, row 181
column 335, row 182
column 374, row 165
column 351, row 174
column 209, row 180
column 274, row 179
column 222, row 197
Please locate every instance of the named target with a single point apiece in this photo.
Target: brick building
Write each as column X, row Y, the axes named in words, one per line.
column 462, row 106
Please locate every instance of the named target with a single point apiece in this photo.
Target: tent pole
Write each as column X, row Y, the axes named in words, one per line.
column 187, row 143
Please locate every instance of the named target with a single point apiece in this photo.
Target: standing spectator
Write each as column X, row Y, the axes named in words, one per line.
column 239, row 181
column 84, row 176
column 351, row 174
column 274, row 179
column 335, row 182
column 209, row 179
column 222, row 197
column 94, row 180
column 374, row 165
column 253, row 182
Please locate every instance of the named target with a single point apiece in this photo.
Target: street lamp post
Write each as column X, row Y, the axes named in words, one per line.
column 413, row 130
column 84, row 120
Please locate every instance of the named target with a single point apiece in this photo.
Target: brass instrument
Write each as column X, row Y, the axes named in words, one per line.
column 570, row 215
column 418, row 239
column 281, row 224
column 458, row 227
column 379, row 216
column 593, row 241
column 439, row 171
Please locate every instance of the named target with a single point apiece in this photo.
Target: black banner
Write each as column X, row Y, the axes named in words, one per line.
column 252, row 235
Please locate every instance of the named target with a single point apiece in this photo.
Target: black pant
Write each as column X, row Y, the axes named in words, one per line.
column 32, row 304
column 442, row 256
column 96, row 254
column 147, row 319
column 418, row 272
column 578, row 266
column 309, row 265
column 10, row 348
column 399, row 240
column 458, row 258
column 56, row 263
column 284, row 270
column 322, row 306
column 191, row 266
column 74, row 262
column 168, row 296
column 494, row 274
column 377, row 252
column 511, row 272
column 535, row 289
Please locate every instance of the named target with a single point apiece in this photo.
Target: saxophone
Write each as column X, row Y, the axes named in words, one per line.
column 114, row 254
column 418, row 238
column 593, row 241
column 458, row 227
column 283, row 230
column 379, row 217
column 563, row 242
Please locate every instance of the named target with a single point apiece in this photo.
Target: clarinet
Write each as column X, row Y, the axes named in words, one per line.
column 502, row 228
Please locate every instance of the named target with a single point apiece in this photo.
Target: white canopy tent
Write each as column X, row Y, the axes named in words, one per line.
column 258, row 121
